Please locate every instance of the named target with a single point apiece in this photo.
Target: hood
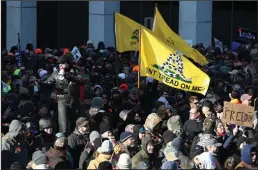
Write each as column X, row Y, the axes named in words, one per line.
column 178, row 143
column 246, row 154
column 145, row 142
column 164, row 100
column 152, row 120
column 169, row 165
column 53, row 153
column 208, row 161
column 15, row 128
column 97, row 86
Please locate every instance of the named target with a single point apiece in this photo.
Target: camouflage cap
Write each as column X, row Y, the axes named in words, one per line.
column 174, row 124
column 208, row 140
column 151, row 121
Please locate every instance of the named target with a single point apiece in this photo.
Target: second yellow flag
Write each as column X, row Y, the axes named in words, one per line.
column 163, row 31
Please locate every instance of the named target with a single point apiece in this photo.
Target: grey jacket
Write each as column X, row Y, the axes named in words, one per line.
column 18, row 149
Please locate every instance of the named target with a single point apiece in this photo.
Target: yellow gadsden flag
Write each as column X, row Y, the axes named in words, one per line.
column 166, row 65
column 127, row 33
column 163, row 31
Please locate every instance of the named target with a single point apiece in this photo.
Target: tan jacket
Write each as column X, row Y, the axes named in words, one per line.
column 94, row 164
column 243, row 165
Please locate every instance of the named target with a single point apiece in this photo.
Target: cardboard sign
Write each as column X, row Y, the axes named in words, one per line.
column 76, row 54
column 238, row 114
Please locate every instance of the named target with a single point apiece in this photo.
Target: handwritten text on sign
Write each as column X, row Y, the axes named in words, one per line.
column 238, row 114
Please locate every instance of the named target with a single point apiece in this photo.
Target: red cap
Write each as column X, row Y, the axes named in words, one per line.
column 123, row 86
column 136, row 68
column 66, row 50
column 38, row 51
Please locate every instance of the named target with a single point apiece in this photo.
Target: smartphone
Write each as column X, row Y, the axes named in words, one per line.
column 36, row 89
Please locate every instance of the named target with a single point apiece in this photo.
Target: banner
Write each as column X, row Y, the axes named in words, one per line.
column 244, row 36
column 166, row 65
column 238, row 114
column 163, row 31
column 76, row 54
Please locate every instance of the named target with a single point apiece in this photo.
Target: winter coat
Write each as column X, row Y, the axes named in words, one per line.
column 17, row 151
column 94, row 164
column 67, row 87
column 246, row 161
column 57, row 159
column 43, row 142
column 193, row 127
column 76, row 144
column 243, row 165
column 85, row 159
column 179, row 144
column 144, row 156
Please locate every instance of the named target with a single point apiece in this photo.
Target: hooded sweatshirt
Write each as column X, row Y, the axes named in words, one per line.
column 164, row 100
column 143, row 154
column 10, row 143
column 246, row 158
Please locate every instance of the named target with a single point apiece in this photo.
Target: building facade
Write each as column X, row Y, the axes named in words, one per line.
column 67, row 23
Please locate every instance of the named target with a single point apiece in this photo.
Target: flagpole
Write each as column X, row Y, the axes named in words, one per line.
column 116, row 56
column 139, row 59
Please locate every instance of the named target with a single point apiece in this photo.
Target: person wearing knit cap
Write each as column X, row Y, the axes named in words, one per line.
column 66, row 81
column 105, row 154
column 90, row 45
column 97, row 90
column 123, row 87
column 78, row 139
column 58, row 154
column 38, row 51
column 45, row 140
column 42, row 73
column 128, row 140
column 88, row 152
column 208, row 129
column 106, row 132
column 124, row 161
column 39, row 160
column 139, row 133
column 97, row 102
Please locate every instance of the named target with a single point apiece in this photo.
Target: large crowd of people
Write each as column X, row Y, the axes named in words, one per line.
column 96, row 113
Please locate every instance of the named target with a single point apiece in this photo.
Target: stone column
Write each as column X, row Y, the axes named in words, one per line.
column 195, row 21
column 21, row 17
column 101, row 21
